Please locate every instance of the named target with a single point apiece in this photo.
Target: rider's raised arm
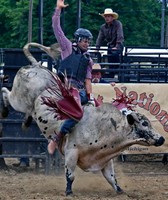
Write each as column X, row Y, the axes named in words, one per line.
column 64, row 42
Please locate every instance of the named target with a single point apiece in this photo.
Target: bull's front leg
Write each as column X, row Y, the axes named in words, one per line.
column 109, row 174
column 70, row 163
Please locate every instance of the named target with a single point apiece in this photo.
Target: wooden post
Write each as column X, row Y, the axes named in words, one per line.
column 166, row 36
column 163, row 23
column 40, row 28
column 78, row 13
column 30, row 21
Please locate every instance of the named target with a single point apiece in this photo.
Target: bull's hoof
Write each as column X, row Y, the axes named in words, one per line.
column 27, row 123
column 69, row 193
column 119, row 190
column 4, row 112
column 165, row 159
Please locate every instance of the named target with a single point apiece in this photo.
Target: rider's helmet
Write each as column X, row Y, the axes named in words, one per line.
column 82, row 33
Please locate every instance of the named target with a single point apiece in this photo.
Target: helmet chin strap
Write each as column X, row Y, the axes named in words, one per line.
column 79, row 39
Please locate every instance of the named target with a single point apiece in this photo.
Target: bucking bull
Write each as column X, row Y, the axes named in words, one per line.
column 102, row 133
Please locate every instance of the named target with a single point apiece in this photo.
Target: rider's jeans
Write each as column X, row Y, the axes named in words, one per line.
column 70, row 123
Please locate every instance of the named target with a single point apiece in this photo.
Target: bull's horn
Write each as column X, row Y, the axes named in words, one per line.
column 135, row 117
column 54, row 51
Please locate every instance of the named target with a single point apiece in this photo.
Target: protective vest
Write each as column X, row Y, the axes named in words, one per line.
column 75, row 66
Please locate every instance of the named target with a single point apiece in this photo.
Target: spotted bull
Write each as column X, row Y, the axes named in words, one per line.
column 102, row 133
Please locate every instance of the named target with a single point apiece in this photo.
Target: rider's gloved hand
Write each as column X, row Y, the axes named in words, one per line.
column 91, row 100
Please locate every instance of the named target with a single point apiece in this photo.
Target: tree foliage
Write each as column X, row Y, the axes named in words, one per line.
column 141, row 20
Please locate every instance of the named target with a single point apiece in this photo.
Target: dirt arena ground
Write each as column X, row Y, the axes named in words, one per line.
column 140, row 180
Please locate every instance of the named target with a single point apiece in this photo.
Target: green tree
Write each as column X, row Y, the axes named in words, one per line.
column 14, row 23
column 141, row 20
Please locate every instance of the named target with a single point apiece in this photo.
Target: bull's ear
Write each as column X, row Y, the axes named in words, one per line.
column 130, row 119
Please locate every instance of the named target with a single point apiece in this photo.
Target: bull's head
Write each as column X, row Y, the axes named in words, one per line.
column 143, row 131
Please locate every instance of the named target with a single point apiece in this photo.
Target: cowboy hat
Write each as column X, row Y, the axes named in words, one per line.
column 109, row 11
column 96, row 66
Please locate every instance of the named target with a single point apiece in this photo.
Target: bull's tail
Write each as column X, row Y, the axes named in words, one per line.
column 53, row 51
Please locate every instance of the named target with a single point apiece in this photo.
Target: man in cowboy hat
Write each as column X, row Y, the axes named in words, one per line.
column 97, row 74
column 112, row 34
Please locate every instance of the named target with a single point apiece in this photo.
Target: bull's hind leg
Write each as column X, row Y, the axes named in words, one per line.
column 70, row 164
column 27, row 122
column 109, row 174
column 5, row 98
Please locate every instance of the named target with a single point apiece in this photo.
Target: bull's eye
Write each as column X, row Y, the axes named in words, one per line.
column 145, row 123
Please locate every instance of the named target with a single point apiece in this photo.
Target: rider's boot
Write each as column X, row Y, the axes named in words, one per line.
column 55, row 142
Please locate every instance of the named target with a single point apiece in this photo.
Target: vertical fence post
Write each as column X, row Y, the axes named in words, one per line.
column 30, row 21
column 78, row 13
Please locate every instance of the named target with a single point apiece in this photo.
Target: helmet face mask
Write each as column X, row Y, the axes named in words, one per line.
column 82, row 34
column 84, row 39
